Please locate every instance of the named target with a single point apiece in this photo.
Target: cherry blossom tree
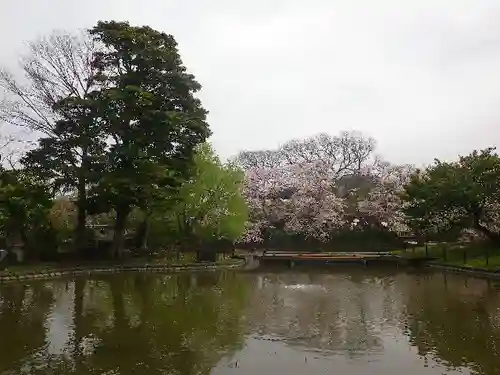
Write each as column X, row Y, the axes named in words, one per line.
column 263, row 187
column 383, row 205
column 320, row 186
column 296, row 199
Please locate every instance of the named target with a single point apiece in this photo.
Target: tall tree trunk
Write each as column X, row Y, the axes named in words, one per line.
column 119, row 231
column 182, row 227
column 15, row 239
column 143, row 232
column 81, row 238
column 81, row 221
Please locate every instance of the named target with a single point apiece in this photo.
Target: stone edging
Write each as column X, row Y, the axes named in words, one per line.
column 478, row 272
column 55, row 273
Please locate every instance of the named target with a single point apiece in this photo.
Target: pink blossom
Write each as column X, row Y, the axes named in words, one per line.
column 321, row 185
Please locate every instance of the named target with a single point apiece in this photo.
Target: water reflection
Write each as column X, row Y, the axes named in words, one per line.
column 459, row 324
column 355, row 321
column 137, row 324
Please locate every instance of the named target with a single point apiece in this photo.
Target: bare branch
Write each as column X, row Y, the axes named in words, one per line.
column 55, row 68
column 342, row 155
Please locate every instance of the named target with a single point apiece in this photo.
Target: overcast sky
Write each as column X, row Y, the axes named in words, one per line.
column 420, row 76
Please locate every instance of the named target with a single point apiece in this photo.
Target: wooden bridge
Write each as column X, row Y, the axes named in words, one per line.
column 292, row 258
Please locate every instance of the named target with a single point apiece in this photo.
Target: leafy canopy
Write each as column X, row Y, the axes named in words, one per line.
column 149, row 111
column 24, row 204
column 210, row 205
column 462, row 194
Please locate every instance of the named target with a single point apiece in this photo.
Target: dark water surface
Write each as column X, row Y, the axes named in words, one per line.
column 351, row 321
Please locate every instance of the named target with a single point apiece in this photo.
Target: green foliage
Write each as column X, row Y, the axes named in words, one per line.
column 22, row 199
column 121, row 134
column 148, row 109
column 127, row 140
column 73, row 154
column 457, row 195
column 71, row 158
column 24, row 206
column 208, row 206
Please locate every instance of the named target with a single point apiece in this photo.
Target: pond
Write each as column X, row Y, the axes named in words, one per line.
column 349, row 321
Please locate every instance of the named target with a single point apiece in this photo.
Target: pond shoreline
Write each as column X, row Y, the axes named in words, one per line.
column 471, row 271
column 28, row 275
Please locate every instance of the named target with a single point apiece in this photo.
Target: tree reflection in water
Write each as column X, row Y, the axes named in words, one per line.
column 131, row 324
column 23, row 314
column 456, row 320
column 364, row 320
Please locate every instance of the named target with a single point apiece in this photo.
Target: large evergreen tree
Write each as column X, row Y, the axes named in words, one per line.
column 150, row 114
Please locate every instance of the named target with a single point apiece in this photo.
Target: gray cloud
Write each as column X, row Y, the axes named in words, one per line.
column 421, row 77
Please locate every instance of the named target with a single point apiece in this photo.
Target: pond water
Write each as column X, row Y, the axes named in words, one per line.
column 349, row 321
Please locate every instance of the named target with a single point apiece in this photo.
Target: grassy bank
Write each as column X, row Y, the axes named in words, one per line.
column 84, row 265
column 477, row 255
